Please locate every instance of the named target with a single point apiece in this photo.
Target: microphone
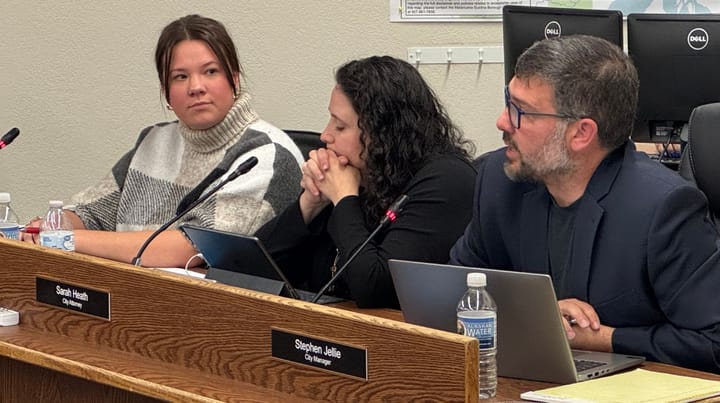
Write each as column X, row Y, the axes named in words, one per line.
column 390, row 215
column 9, row 137
column 242, row 169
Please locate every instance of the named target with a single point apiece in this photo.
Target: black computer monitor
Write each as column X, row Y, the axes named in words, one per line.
column 678, row 58
column 524, row 25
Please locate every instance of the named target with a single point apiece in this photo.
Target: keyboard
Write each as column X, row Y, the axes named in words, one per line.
column 324, row 300
column 583, row 365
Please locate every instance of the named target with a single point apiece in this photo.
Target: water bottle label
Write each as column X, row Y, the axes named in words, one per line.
column 10, row 232
column 478, row 324
column 64, row 240
column 69, row 242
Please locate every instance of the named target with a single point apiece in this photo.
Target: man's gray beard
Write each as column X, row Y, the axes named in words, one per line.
column 554, row 160
column 522, row 174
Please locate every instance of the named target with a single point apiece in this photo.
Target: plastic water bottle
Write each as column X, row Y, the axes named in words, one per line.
column 9, row 225
column 477, row 317
column 56, row 230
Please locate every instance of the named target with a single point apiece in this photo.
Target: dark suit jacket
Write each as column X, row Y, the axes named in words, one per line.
column 644, row 253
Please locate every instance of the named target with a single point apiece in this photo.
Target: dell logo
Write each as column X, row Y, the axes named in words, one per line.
column 552, row 30
column 698, row 39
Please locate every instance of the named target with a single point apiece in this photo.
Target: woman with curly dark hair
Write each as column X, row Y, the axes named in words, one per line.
column 387, row 136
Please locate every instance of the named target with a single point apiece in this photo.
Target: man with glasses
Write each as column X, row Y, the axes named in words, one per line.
column 635, row 261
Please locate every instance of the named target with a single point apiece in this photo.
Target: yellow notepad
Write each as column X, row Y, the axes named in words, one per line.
column 634, row 386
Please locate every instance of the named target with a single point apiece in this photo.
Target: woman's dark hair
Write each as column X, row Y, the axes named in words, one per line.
column 196, row 27
column 402, row 125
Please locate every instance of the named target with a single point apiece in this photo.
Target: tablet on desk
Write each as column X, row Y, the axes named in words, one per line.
column 243, row 261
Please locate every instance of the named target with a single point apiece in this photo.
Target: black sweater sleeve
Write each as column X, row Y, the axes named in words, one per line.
column 295, row 246
column 436, row 214
column 438, row 209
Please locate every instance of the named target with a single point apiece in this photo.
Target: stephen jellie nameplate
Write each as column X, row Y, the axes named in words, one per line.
column 330, row 356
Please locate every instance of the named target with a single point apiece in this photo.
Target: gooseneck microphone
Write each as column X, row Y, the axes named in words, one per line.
column 9, row 137
column 240, row 170
column 390, row 215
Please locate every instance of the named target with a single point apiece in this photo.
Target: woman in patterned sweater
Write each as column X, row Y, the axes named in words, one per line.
column 173, row 163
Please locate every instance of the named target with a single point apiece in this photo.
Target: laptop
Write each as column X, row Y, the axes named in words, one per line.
column 531, row 340
column 243, row 261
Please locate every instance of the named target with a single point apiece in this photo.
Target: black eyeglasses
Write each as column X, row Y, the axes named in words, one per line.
column 515, row 113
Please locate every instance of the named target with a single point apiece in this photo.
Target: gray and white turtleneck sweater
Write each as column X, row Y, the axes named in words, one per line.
column 171, row 165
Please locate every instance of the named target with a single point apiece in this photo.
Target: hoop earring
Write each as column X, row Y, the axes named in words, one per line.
column 168, row 107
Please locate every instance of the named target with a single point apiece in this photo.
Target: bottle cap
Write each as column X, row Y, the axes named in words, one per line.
column 4, row 197
column 476, row 280
column 56, row 203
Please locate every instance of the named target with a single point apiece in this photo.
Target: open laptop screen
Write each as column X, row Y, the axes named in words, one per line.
column 531, row 340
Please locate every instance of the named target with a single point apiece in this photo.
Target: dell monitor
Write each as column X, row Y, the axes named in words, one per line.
column 524, row 25
column 677, row 57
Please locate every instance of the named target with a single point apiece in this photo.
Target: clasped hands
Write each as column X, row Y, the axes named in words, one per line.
column 582, row 326
column 327, row 178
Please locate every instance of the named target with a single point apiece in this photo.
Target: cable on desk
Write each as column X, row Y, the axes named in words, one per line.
column 187, row 264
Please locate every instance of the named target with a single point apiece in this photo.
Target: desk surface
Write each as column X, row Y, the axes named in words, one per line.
column 510, row 389
column 183, row 339
column 671, row 153
column 79, row 359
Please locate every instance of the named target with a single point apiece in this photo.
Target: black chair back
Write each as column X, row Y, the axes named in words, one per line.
column 699, row 162
column 306, row 140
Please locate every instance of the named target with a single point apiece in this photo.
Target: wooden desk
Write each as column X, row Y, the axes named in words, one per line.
column 509, row 389
column 182, row 339
column 173, row 338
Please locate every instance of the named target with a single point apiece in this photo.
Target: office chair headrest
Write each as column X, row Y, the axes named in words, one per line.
column 704, row 150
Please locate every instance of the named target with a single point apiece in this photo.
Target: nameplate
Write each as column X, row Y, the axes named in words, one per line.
column 330, row 356
column 73, row 297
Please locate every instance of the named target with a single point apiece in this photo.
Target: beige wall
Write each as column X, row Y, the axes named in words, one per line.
column 78, row 79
